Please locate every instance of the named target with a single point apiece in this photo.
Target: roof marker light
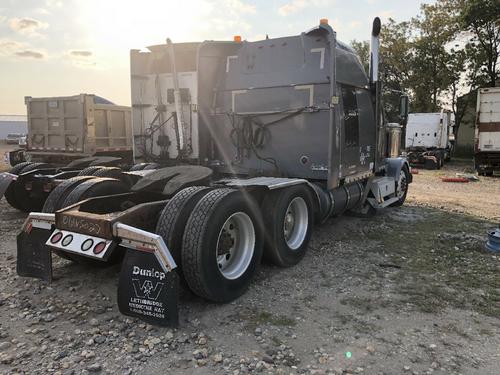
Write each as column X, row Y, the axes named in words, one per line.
column 237, row 38
column 323, row 21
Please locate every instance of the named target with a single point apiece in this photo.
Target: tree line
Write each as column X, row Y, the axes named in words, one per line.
column 441, row 56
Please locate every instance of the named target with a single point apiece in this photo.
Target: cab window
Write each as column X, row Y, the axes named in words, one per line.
column 351, row 116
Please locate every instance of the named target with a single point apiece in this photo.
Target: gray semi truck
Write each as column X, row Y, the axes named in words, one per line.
column 258, row 141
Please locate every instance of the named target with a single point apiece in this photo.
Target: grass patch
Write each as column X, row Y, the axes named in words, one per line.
column 437, row 272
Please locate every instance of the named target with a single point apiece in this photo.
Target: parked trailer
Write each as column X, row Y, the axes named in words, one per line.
column 487, row 132
column 429, row 139
column 65, row 135
column 285, row 133
column 62, row 129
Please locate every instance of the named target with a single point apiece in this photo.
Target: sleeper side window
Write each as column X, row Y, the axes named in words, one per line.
column 351, row 116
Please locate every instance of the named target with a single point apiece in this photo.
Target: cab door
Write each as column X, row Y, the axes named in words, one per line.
column 358, row 131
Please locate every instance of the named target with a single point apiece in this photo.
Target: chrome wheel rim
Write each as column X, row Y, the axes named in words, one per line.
column 402, row 185
column 235, row 245
column 295, row 223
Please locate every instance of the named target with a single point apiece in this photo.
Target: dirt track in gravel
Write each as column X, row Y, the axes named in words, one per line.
column 411, row 290
column 480, row 198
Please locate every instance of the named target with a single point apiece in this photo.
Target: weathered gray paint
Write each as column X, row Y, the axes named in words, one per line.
column 268, row 80
column 279, row 75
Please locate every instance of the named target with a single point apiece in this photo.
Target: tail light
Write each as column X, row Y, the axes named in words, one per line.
column 99, row 247
column 67, row 240
column 87, row 244
column 56, row 237
column 47, row 188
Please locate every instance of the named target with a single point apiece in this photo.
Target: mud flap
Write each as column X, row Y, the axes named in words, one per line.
column 146, row 291
column 5, row 180
column 34, row 258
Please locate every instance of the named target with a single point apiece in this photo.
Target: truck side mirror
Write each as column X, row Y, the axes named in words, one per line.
column 403, row 109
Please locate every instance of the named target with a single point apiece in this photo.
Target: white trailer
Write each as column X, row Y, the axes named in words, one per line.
column 429, row 138
column 487, row 132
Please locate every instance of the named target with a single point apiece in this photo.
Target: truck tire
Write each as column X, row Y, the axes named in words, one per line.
column 402, row 187
column 174, row 216
column 57, row 196
column 117, row 173
column 22, row 198
column 17, row 169
column 111, row 172
column 288, row 221
column 430, row 164
column 89, row 171
column 440, row 159
column 9, row 194
column 222, row 245
column 95, row 187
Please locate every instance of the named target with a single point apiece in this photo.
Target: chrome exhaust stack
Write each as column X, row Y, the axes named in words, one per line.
column 374, row 50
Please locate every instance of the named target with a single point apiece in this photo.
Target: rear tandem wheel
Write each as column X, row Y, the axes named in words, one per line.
column 288, row 218
column 174, row 216
column 222, row 245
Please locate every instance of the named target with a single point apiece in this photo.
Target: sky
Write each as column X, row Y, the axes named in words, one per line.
column 68, row 47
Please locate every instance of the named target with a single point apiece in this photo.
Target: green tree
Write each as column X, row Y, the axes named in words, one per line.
column 363, row 50
column 434, row 29
column 481, row 20
column 396, row 67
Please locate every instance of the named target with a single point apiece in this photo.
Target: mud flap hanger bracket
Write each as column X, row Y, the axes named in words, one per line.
column 140, row 240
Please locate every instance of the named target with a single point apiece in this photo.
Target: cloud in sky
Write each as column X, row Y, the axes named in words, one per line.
column 240, row 6
column 80, row 53
column 26, row 25
column 31, row 54
column 295, row 6
column 17, row 49
column 8, row 47
column 292, row 7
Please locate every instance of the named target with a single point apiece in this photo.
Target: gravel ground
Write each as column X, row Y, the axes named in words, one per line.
column 409, row 291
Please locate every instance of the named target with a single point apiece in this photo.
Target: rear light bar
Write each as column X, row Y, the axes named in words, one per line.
column 81, row 244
